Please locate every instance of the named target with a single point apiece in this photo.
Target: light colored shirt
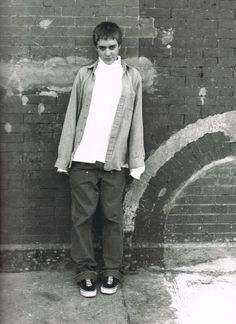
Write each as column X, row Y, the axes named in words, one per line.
column 126, row 139
column 105, row 98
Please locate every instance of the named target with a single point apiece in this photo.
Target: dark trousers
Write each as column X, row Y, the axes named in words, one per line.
column 90, row 184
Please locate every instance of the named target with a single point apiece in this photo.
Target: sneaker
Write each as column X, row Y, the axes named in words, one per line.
column 88, row 288
column 110, row 285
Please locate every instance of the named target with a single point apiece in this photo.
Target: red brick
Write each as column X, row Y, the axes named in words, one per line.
column 14, row 31
column 59, row 3
column 87, row 21
column 131, row 11
column 226, row 33
column 227, row 23
column 202, row 4
column 4, row 21
column 42, row 119
column 224, row 4
column 147, row 3
column 94, row 10
column 227, row 62
column 171, row 3
column 27, row 3
column 160, row 12
column 125, row 21
column 132, row 3
column 89, row 3
column 23, row 21
column 37, row 52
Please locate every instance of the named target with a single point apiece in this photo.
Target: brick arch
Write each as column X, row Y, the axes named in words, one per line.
column 204, row 207
column 199, row 143
column 150, row 217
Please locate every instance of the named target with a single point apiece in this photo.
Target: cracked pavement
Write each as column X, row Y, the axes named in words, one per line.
column 203, row 293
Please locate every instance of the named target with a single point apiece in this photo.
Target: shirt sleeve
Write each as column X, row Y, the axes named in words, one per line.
column 137, row 172
column 65, row 147
column 62, row 170
column 136, row 141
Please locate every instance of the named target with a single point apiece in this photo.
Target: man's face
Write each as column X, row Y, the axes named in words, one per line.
column 108, row 50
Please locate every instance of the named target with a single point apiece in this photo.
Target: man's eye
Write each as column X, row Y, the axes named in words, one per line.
column 102, row 48
column 112, row 47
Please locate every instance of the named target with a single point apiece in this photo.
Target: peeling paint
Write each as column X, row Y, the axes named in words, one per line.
column 167, row 36
column 24, row 100
column 178, row 193
column 204, row 293
column 225, row 123
column 49, row 94
column 41, row 108
column 8, row 127
column 162, row 192
column 45, row 23
column 202, row 95
column 57, row 74
column 147, row 71
column 147, row 25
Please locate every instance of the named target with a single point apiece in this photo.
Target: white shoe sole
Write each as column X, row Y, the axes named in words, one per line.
column 88, row 294
column 108, row 291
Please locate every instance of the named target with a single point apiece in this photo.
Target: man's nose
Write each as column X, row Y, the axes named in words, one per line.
column 107, row 52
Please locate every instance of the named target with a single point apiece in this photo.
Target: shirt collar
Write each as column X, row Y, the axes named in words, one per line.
column 115, row 64
column 93, row 66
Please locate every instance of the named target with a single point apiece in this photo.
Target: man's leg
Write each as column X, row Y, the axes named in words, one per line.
column 112, row 192
column 85, row 197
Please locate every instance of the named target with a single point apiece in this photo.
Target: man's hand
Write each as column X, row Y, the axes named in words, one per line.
column 136, row 173
column 62, row 171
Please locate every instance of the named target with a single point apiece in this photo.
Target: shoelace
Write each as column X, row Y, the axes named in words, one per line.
column 88, row 283
column 110, row 280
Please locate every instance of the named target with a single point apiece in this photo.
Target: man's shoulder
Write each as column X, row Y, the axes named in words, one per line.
column 85, row 69
column 133, row 72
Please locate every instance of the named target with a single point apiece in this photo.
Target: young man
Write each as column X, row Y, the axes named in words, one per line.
column 102, row 136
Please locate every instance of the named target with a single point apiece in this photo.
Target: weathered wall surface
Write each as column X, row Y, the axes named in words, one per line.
column 191, row 122
column 185, row 51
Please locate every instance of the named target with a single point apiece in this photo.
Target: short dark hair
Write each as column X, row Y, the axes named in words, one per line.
column 106, row 30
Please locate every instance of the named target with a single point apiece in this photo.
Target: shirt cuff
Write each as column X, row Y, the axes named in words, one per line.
column 137, row 172
column 62, row 170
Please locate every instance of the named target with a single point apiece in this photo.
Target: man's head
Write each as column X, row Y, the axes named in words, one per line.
column 107, row 38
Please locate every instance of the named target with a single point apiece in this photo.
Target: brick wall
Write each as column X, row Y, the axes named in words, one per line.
column 206, row 209
column 194, row 55
column 191, row 46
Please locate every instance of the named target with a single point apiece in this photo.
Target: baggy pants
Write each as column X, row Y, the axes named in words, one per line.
column 91, row 184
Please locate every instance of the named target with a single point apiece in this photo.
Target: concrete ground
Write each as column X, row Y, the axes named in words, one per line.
column 200, row 294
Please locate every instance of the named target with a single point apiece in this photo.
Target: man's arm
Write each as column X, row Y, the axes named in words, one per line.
column 136, row 142
column 68, row 131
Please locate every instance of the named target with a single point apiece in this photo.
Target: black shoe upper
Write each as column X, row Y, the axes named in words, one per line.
column 110, row 282
column 87, row 284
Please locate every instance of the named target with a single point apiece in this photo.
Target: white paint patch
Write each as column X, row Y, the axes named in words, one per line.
column 204, row 298
column 24, row 100
column 41, row 108
column 8, row 127
column 178, row 193
column 45, row 23
column 167, row 36
column 147, row 71
column 202, row 95
column 57, row 74
column 147, row 27
column 227, row 264
column 162, row 192
column 49, row 94
column 225, row 123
